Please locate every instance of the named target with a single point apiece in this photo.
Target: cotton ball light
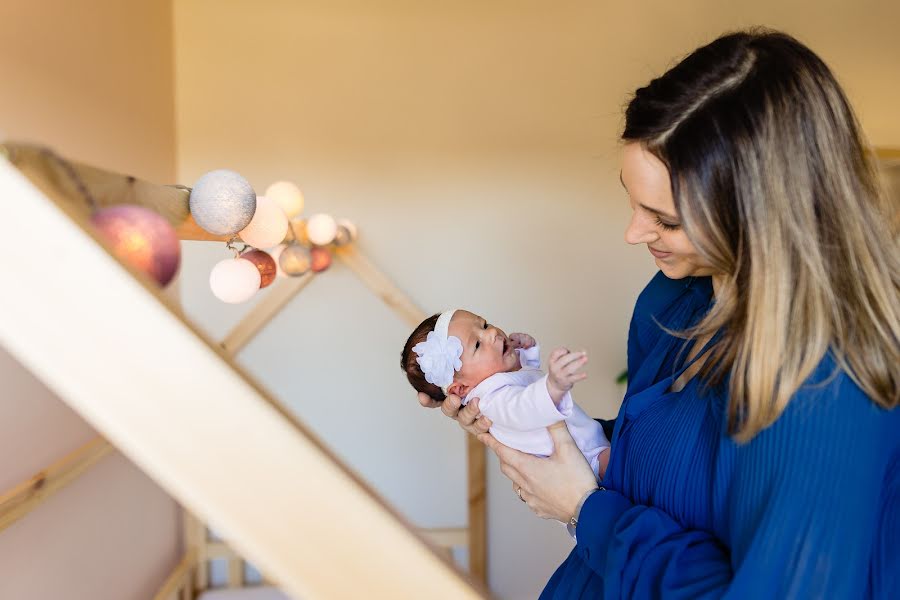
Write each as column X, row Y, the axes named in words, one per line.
column 268, row 227
column 141, row 238
column 264, row 263
column 295, row 260
column 234, row 280
column 350, row 227
column 321, row 259
column 286, row 195
column 222, row 202
column 321, row 229
column 275, row 253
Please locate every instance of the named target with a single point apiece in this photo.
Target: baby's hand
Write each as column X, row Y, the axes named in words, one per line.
column 564, row 369
column 521, row 340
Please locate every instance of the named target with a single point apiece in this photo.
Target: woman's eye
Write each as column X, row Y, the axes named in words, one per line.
column 485, row 324
column 666, row 226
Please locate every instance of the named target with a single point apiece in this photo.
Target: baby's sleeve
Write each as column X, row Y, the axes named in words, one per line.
column 524, row 408
column 530, row 357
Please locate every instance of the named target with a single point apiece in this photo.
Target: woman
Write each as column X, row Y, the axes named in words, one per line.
column 757, row 451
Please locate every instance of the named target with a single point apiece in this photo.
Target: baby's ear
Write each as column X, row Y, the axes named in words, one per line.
column 457, row 388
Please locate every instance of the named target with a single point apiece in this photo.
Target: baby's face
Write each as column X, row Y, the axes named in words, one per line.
column 486, row 351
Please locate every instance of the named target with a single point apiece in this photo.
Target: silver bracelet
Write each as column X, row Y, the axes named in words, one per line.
column 573, row 522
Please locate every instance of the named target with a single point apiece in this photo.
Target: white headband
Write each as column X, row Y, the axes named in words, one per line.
column 439, row 354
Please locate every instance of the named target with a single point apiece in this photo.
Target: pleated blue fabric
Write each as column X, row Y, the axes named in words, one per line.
column 810, row 508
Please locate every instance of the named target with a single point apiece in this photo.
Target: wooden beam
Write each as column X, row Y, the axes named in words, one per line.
column 477, row 475
column 58, row 178
column 178, row 579
column 173, row 402
column 447, row 537
column 265, row 311
column 28, row 495
column 383, row 287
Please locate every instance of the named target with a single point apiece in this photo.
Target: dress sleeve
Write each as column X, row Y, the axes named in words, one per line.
column 524, row 408
column 802, row 514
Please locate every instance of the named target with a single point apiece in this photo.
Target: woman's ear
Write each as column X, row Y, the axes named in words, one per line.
column 458, row 388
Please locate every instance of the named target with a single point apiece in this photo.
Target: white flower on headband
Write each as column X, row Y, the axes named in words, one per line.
column 439, row 358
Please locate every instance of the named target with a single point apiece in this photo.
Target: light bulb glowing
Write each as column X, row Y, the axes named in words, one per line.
column 286, row 195
column 321, row 229
column 141, row 238
column 268, row 227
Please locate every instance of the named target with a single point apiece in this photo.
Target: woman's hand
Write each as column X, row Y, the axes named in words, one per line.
column 468, row 417
column 553, row 486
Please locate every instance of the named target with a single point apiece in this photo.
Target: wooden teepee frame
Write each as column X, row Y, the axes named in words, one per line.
column 119, row 353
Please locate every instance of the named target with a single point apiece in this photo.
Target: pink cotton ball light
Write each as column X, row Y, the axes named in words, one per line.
column 141, row 238
column 320, row 259
column 264, row 263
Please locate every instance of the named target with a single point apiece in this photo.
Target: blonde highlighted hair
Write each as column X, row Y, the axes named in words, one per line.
column 775, row 188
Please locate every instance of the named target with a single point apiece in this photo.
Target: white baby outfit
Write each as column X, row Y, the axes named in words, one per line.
column 520, row 409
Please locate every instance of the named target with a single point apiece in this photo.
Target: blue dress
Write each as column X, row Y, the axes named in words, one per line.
column 810, row 508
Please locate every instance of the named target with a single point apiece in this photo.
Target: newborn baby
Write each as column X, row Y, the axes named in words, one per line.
column 458, row 352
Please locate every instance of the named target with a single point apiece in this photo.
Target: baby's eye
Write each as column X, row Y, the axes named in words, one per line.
column 485, row 324
column 477, row 344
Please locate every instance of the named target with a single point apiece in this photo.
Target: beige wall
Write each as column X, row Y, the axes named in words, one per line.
column 475, row 145
column 93, row 80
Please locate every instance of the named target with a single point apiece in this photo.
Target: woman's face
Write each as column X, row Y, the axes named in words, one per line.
column 654, row 220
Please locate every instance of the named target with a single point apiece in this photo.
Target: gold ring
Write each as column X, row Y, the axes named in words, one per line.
column 519, row 493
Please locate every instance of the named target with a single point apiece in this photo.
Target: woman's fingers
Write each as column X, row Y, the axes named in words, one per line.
column 427, row 401
column 450, row 406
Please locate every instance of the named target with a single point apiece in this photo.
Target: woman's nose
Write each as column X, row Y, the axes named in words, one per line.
column 640, row 230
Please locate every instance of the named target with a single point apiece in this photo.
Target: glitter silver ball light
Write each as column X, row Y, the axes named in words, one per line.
column 295, row 260
column 222, row 202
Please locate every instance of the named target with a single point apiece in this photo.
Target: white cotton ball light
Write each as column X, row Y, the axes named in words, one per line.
column 268, row 227
column 286, row 195
column 321, row 229
column 222, row 202
column 234, row 280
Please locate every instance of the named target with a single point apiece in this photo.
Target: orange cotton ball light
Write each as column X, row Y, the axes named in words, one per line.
column 265, row 264
column 140, row 238
column 321, row 259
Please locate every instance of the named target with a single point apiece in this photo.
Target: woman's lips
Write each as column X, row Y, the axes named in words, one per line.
column 658, row 253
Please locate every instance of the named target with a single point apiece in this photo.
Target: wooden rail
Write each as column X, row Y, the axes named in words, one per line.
column 28, row 495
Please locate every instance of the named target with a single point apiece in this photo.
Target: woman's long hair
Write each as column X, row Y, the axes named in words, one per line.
column 776, row 190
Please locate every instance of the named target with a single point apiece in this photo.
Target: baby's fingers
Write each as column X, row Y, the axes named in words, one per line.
column 557, row 354
column 571, row 358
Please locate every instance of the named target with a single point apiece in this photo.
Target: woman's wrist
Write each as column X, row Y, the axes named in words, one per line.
column 577, row 514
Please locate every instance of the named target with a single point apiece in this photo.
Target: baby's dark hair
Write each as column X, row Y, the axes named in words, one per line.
column 411, row 367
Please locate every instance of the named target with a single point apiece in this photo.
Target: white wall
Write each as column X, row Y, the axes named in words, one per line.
column 475, row 145
column 94, row 81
